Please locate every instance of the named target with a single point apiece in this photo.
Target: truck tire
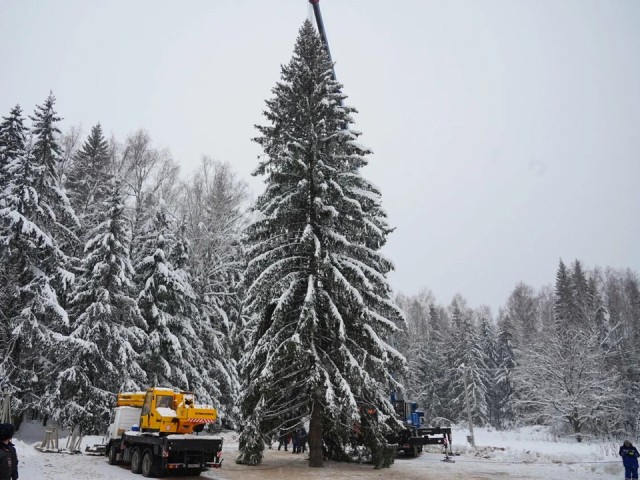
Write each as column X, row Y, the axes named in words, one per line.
column 149, row 468
column 112, row 454
column 136, row 461
column 415, row 451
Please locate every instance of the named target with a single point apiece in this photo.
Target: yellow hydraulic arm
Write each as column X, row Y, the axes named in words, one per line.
column 168, row 411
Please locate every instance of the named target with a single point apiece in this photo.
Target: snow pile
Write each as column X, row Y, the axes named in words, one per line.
column 538, row 447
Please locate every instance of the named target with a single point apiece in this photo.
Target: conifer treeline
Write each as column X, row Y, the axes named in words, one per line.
column 101, row 290
column 566, row 357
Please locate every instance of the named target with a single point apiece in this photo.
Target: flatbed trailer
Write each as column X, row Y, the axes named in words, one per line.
column 411, row 440
column 416, row 434
column 154, row 454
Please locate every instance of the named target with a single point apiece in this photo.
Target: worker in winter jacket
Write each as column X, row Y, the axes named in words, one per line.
column 299, row 439
column 629, row 455
column 8, row 456
column 302, row 440
column 283, row 439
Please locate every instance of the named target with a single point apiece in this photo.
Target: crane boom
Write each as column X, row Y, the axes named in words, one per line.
column 322, row 31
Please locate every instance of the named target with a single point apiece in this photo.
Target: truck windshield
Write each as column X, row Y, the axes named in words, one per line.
column 146, row 407
column 164, row 401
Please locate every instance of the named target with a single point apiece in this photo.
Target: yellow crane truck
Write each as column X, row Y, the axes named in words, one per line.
column 157, row 432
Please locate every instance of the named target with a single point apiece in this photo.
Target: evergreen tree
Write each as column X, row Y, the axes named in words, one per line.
column 168, row 304
column 489, row 346
column 563, row 303
column 107, row 324
column 581, row 298
column 317, row 290
column 467, row 358
column 431, row 377
column 438, row 322
column 12, row 144
column 440, row 368
column 62, row 221
column 502, row 405
column 89, row 177
column 33, row 265
column 426, row 346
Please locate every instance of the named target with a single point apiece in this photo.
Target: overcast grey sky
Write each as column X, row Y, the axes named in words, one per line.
column 505, row 132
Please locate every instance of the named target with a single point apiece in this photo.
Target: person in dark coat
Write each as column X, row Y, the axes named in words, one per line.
column 5, row 469
column 299, row 440
column 295, row 441
column 629, row 455
column 8, row 456
column 302, row 435
column 283, row 439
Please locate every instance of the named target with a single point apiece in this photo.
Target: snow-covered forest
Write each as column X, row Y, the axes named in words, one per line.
column 564, row 355
column 116, row 274
column 119, row 274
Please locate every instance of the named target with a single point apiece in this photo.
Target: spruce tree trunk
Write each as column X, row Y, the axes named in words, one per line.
column 316, row 456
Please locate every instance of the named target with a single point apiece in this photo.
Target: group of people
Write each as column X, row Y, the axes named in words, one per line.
column 8, row 456
column 297, row 437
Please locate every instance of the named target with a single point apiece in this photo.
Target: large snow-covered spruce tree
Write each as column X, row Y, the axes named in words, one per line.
column 316, row 282
column 33, row 231
column 106, row 324
column 46, row 150
column 12, row 145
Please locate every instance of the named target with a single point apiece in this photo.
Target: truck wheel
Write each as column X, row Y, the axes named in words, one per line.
column 112, row 455
column 415, row 451
column 136, row 461
column 148, row 465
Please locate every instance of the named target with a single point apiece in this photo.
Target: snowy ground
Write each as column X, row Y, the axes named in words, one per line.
column 531, row 453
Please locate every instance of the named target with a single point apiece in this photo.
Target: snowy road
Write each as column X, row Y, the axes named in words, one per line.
column 284, row 466
column 525, row 454
column 280, row 466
